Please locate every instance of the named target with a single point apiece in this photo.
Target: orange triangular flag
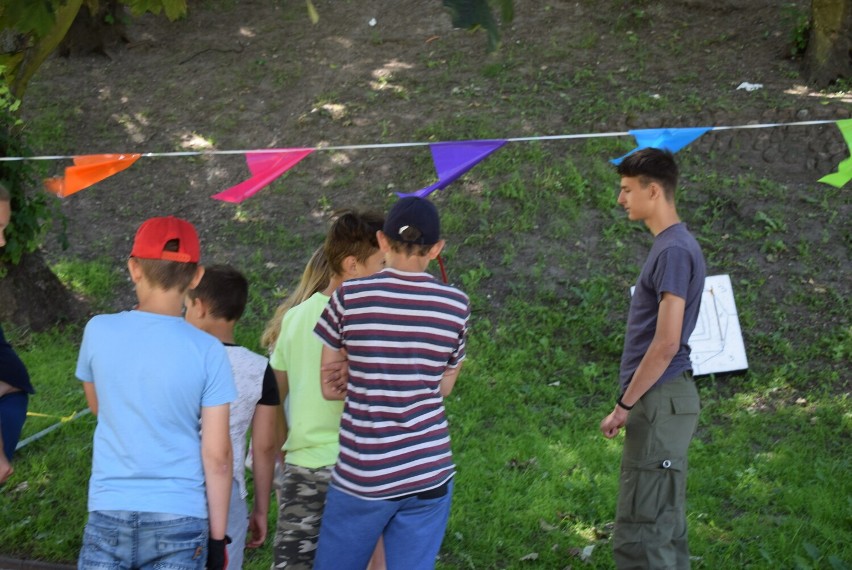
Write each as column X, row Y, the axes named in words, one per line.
column 87, row 170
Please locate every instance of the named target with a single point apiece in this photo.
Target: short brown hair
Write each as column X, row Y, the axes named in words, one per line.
column 5, row 196
column 410, row 249
column 224, row 290
column 652, row 165
column 168, row 274
column 352, row 233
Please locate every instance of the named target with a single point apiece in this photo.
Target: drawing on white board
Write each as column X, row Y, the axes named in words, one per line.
column 717, row 341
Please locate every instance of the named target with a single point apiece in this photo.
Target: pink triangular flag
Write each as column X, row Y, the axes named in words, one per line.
column 264, row 167
column 260, row 162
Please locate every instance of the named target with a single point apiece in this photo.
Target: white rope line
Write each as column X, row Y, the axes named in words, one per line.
column 409, row 144
column 45, row 431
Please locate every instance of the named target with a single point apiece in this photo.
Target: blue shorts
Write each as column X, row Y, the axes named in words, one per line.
column 130, row 539
column 413, row 529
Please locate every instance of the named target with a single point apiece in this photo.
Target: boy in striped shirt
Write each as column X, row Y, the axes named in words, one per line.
column 404, row 338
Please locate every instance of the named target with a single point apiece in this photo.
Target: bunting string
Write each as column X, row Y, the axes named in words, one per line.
column 452, row 159
column 612, row 134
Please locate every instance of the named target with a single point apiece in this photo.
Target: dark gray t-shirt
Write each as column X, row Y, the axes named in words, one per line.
column 675, row 265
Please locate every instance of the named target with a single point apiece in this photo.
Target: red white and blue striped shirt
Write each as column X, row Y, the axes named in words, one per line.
column 402, row 331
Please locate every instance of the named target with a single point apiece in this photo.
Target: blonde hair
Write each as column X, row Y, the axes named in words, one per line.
column 315, row 278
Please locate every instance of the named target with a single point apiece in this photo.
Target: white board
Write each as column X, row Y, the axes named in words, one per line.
column 717, row 341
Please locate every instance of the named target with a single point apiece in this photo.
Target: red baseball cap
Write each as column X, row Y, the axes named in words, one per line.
column 154, row 233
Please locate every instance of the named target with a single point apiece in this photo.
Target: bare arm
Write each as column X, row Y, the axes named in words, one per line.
column 449, row 379
column 264, row 449
column 218, row 459
column 334, row 373
column 6, row 388
column 659, row 355
column 91, row 396
column 662, row 349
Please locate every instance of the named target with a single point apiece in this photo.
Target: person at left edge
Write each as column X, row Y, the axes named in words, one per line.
column 15, row 386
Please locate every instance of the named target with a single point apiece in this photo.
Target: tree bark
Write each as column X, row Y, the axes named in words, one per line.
column 94, row 32
column 32, row 296
column 829, row 53
column 22, row 70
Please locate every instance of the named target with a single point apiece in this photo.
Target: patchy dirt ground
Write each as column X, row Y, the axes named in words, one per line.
column 249, row 74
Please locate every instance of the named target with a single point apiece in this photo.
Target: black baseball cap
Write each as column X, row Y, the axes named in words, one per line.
column 413, row 220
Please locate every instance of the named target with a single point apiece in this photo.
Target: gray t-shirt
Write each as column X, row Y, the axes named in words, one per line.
column 675, row 265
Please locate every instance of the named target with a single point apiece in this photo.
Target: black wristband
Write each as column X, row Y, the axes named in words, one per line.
column 217, row 553
column 621, row 404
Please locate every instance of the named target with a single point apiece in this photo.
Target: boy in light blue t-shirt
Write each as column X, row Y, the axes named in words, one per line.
column 160, row 490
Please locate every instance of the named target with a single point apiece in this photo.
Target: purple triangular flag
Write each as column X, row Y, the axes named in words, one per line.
column 668, row 139
column 452, row 159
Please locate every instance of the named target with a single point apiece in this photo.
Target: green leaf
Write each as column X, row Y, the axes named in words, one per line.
column 28, row 17
column 175, row 9
column 139, row 7
column 473, row 14
column 312, row 12
column 507, row 10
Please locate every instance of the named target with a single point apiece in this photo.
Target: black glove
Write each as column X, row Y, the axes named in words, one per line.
column 217, row 553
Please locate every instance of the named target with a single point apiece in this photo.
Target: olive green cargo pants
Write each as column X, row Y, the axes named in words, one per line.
column 650, row 519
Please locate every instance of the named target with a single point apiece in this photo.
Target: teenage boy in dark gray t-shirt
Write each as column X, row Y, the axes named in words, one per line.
column 656, row 373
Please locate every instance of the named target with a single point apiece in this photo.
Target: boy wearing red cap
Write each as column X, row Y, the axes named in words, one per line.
column 404, row 336
column 159, row 490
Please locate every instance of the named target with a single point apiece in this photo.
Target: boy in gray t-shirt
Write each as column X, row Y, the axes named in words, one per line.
column 656, row 373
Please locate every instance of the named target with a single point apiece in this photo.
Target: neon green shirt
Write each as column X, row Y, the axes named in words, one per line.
column 312, row 440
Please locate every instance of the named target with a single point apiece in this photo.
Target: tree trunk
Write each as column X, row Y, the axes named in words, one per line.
column 829, row 53
column 32, row 296
column 23, row 66
column 94, row 32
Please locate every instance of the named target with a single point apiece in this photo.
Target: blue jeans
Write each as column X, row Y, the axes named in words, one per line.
column 125, row 540
column 13, row 414
column 413, row 530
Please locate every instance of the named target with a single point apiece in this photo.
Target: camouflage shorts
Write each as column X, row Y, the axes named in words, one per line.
column 301, row 502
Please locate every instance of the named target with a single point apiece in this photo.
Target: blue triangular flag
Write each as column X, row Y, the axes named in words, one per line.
column 668, row 139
